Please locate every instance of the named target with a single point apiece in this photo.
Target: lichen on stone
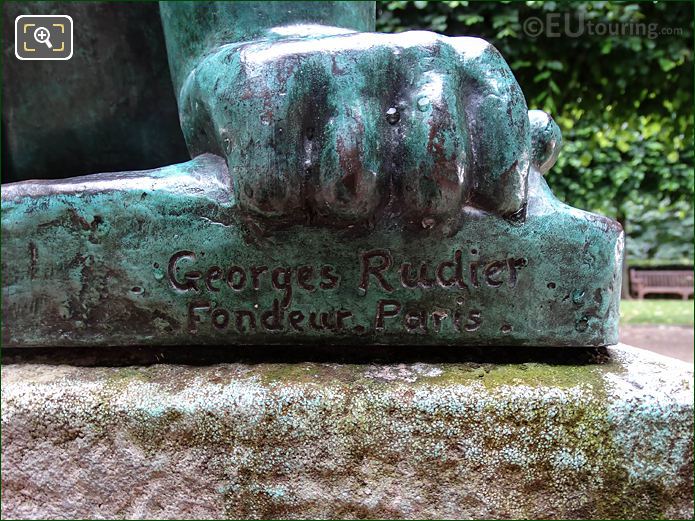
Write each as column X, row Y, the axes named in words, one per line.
column 350, row 440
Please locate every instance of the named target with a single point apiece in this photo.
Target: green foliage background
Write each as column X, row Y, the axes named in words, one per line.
column 624, row 104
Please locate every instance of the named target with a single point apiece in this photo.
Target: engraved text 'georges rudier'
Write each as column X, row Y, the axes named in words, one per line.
column 377, row 270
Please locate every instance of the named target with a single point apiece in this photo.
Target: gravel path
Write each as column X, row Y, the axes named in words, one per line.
column 675, row 341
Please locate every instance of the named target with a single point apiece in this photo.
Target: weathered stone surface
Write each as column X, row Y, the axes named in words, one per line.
column 328, row 440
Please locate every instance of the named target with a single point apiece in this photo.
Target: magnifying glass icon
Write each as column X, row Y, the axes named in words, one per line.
column 42, row 35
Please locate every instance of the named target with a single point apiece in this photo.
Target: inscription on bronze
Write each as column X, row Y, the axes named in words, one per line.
column 378, row 272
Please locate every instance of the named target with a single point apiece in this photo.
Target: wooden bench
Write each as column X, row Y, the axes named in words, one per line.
column 678, row 282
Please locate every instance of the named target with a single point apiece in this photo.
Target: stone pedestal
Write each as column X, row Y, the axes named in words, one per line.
column 328, row 440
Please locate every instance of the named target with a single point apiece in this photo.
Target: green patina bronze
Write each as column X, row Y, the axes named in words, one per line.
column 108, row 108
column 345, row 185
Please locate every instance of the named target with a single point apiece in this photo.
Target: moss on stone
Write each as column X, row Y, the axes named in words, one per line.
column 331, row 440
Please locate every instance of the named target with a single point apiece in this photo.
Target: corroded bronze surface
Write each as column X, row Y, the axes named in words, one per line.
column 109, row 107
column 345, row 185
